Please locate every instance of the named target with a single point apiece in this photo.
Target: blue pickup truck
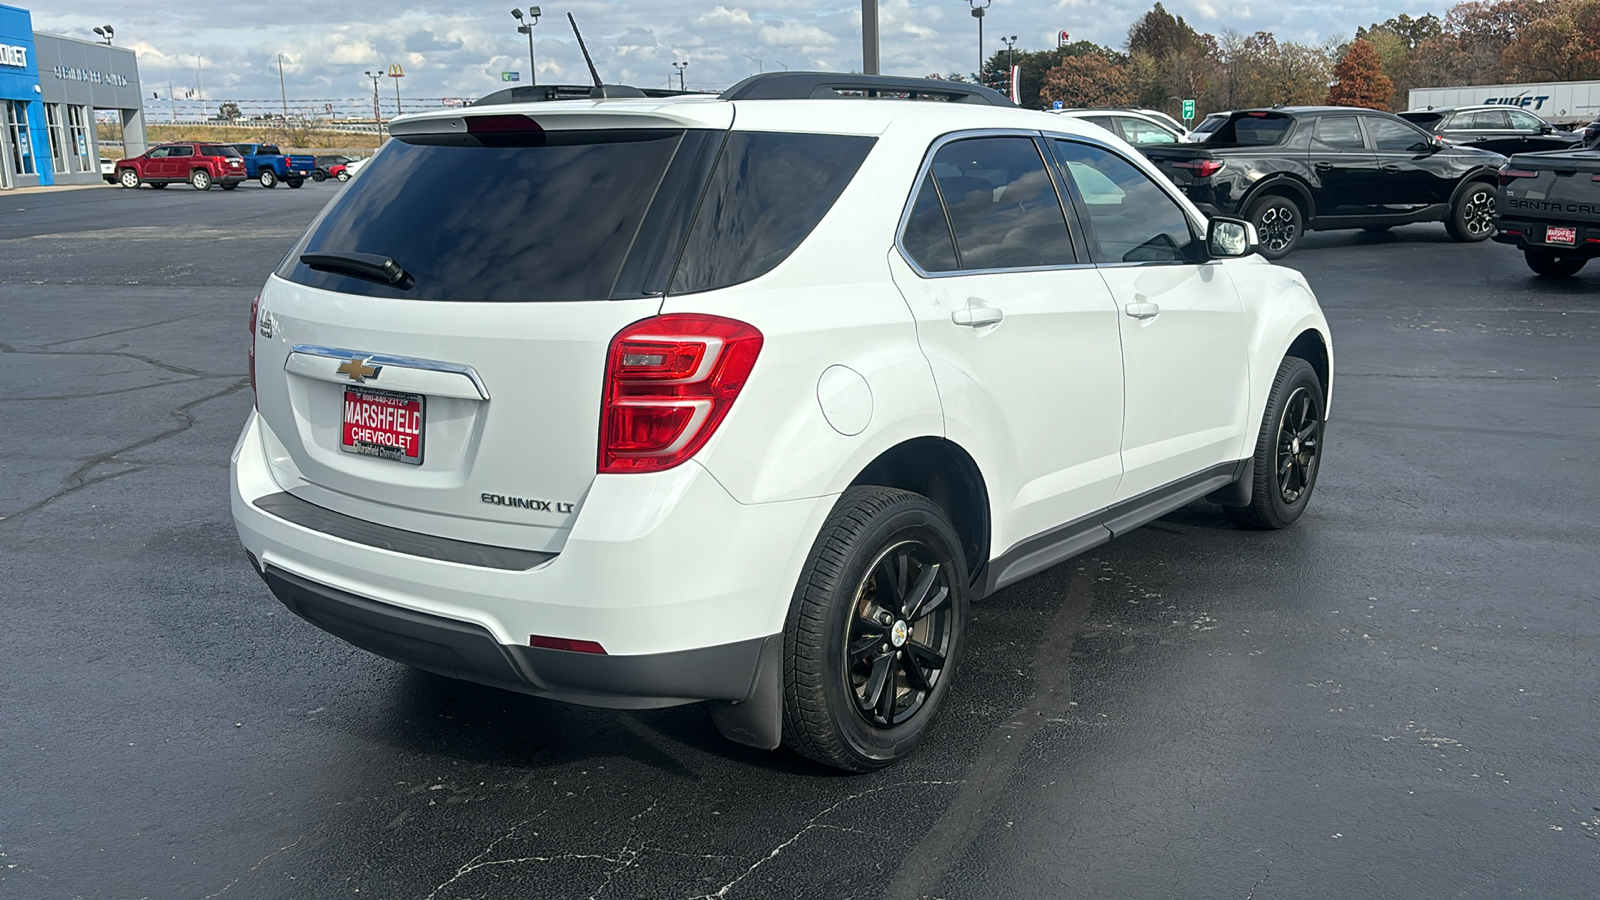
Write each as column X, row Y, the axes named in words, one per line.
column 267, row 164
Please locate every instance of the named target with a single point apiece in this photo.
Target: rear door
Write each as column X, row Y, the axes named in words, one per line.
column 1348, row 180
column 1184, row 336
column 431, row 354
column 1020, row 331
column 178, row 162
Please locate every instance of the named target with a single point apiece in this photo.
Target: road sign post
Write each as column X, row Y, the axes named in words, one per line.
column 1188, row 110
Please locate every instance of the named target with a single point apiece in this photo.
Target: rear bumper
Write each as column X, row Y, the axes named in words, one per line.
column 679, row 583
column 1530, row 235
column 463, row 650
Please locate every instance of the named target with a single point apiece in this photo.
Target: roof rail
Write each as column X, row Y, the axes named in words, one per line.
column 821, row 85
column 548, row 92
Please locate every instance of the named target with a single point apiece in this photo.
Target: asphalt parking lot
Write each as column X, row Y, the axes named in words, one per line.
column 1399, row 696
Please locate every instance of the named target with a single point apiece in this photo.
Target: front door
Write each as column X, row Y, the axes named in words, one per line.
column 1020, row 332
column 1408, row 181
column 1185, row 352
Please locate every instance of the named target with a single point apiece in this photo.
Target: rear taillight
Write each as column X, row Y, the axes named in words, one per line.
column 1200, row 168
column 1509, row 174
column 255, row 308
column 670, row 381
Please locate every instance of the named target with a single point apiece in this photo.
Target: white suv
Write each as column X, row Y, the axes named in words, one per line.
column 637, row 402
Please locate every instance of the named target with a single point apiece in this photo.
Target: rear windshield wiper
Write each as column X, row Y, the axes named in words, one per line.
column 370, row 266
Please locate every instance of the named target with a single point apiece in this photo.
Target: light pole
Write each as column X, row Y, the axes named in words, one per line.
column 760, row 66
column 1010, row 42
column 105, row 31
column 283, row 94
column 377, row 121
column 869, row 37
column 978, row 6
column 527, row 29
column 680, row 66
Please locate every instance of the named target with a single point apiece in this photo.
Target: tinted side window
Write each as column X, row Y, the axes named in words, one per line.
column 269, row 150
column 1138, row 132
column 181, row 151
column 157, row 153
column 1338, row 133
column 1133, row 220
column 927, row 236
column 1388, row 134
column 1252, row 130
column 1002, row 204
column 766, row 194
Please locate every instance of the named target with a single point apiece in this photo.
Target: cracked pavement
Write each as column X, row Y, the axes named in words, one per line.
column 1399, row 695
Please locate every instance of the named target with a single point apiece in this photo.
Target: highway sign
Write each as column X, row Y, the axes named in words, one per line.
column 1188, row 110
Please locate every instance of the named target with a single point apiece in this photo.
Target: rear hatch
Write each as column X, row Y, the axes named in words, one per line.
column 430, row 356
column 1562, row 185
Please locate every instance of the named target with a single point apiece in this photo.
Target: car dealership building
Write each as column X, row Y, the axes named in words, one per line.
column 50, row 88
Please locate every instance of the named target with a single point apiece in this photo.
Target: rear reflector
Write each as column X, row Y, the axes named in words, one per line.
column 555, row 643
column 1508, row 174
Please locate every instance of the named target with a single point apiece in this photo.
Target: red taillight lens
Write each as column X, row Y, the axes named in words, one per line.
column 670, row 381
column 255, row 309
column 1201, row 168
column 1509, row 174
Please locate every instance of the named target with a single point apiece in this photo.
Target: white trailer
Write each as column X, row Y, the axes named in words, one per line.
column 1566, row 103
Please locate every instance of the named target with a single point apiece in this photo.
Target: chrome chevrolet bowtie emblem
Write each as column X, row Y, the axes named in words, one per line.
column 899, row 633
column 358, row 370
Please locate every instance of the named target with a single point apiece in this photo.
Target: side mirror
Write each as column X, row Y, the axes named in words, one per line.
column 1547, row 128
column 1231, row 238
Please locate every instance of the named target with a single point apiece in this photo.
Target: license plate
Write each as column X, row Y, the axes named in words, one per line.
column 383, row 424
column 1557, row 234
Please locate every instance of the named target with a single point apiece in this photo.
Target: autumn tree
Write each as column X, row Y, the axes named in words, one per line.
column 1360, row 80
column 1090, row 80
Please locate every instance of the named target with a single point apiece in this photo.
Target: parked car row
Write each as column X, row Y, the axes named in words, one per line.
column 225, row 165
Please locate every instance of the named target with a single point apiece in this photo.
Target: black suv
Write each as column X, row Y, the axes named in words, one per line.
column 1498, row 128
column 1591, row 136
column 1290, row 170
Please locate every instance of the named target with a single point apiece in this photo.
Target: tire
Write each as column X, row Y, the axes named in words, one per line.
column 344, row 176
column 1288, row 449
column 228, row 185
column 1279, row 224
column 319, row 176
column 129, row 178
column 877, row 548
column 268, row 178
column 294, row 182
column 200, row 179
column 1552, row 263
column 1472, row 216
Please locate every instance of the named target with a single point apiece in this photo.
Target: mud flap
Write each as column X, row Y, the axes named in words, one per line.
column 757, row 720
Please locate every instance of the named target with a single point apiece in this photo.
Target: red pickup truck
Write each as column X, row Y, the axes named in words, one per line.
column 202, row 165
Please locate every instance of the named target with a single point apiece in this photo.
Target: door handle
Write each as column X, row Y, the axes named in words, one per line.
column 1144, row 309
column 1322, row 166
column 977, row 316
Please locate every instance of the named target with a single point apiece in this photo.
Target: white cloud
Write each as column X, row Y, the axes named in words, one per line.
column 721, row 16
column 794, row 34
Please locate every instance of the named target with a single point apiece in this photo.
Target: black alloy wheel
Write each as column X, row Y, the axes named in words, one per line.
column 1288, row 450
column 898, row 637
column 1472, row 218
column 874, row 632
column 1279, row 225
column 1553, row 263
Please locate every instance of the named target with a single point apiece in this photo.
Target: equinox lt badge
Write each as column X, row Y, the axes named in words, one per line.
column 525, row 503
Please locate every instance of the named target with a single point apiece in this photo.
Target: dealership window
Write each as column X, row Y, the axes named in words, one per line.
column 78, row 134
column 17, row 137
column 58, row 146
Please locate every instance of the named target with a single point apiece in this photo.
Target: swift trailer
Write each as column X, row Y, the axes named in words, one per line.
column 1566, row 104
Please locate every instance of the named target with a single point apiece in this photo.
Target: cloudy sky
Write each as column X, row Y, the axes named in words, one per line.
column 456, row 49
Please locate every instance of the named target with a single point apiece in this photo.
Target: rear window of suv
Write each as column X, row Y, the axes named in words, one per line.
column 578, row 215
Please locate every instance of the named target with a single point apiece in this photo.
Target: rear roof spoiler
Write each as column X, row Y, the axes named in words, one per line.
column 833, row 85
column 547, row 92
